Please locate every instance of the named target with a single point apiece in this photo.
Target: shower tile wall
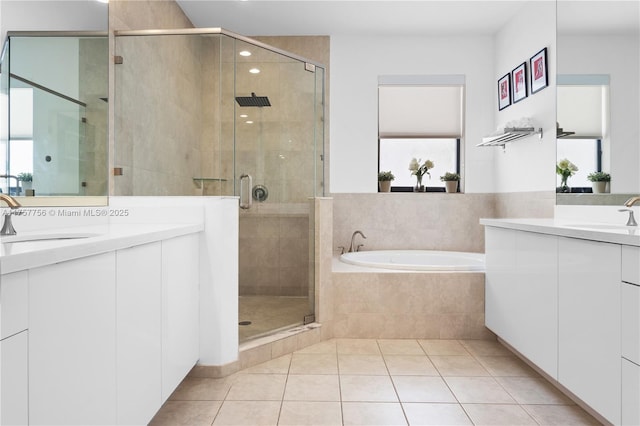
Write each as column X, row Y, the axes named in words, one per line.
column 274, row 257
column 158, row 109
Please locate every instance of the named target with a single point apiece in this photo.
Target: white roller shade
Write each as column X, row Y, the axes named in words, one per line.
column 583, row 110
column 420, row 111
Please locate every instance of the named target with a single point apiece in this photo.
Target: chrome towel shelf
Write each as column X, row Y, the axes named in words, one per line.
column 510, row 134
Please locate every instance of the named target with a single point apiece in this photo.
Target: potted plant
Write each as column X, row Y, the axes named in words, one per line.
column 384, row 180
column 599, row 181
column 26, row 180
column 450, row 181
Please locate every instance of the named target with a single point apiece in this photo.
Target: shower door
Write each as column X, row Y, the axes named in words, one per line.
column 275, row 178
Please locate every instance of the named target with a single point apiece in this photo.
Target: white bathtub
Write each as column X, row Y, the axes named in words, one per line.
column 416, row 260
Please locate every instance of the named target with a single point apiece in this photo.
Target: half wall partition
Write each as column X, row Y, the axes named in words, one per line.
column 206, row 112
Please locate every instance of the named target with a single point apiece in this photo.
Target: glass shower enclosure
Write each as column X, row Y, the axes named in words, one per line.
column 206, row 112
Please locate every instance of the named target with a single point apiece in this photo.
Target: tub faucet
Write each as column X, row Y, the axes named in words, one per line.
column 353, row 247
column 7, row 227
column 631, row 201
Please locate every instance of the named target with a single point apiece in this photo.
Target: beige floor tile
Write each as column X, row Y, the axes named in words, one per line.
column 275, row 366
column 322, row 387
column 478, row 390
column 358, row 346
column 370, row 414
column 485, row 348
column 367, row 389
column 253, row 413
column 201, row 389
column 507, row 366
column 326, row 347
column 362, row 364
column 561, row 415
column 309, row 363
column 498, row 414
column 422, row 389
column 531, row 390
column 458, row 365
column 257, row 387
column 400, row 347
column 304, row 413
column 435, row 414
column 413, row 365
column 186, row 413
column 442, row 347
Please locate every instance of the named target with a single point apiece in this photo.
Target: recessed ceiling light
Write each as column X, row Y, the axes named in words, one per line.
column 249, row 122
column 102, row 1
column 244, row 53
column 243, row 116
column 254, row 71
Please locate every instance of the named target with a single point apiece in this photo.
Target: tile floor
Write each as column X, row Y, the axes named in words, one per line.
column 268, row 313
column 378, row 382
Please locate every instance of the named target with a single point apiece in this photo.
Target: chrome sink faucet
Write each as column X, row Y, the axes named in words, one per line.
column 629, row 203
column 7, row 227
column 353, row 247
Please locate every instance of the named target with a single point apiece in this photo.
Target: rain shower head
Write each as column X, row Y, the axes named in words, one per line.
column 253, row 101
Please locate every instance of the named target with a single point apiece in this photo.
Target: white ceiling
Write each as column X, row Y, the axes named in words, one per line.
column 401, row 18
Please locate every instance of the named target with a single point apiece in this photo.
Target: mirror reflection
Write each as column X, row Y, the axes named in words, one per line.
column 598, row 100
column 57, row 133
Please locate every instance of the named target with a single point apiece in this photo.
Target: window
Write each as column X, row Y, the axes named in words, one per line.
column 21, row 137
column 586, row 154
column 420, row 117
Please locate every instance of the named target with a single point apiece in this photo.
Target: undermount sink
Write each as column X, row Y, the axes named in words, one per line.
column 601, row 226
column 45, row 237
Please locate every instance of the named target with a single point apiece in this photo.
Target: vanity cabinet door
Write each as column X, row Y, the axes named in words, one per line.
column 630, row 393
column 14, row 299
column 180, row 310
column 139, row 284
column 14, row 373
column 72, row 342
column 521, row 288
column 589, row 323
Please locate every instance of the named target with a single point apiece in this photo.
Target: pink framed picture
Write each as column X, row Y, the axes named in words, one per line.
column 538, row 67
column 519, row 82
column 504, row 92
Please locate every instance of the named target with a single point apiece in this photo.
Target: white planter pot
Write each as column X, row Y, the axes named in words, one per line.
column 599, row 187
column 451, row 185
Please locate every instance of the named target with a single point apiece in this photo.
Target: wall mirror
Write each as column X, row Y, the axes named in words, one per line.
column 598, row 95
column 54, row 103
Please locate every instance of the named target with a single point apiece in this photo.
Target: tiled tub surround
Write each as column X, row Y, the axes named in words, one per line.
column 379, row 303
column 431, row 221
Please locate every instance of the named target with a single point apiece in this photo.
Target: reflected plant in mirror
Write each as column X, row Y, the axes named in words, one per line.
column 598, row 98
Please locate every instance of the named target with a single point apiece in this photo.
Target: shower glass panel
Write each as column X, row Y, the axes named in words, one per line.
column 196, row 111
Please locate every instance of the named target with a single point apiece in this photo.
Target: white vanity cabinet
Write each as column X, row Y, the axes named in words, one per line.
column 13, row 349
column 139, row 333
column 630, row 326
column 100, row 339
column 589, row 323
column 180, row 310
column 72, row 342
column 521, row 293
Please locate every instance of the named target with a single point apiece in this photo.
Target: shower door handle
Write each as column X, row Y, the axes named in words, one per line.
column 249, row 180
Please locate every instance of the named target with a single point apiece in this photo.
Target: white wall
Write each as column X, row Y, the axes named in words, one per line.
column 356, row 63
column 528, row 164
column 619, row 57
column 47, row 15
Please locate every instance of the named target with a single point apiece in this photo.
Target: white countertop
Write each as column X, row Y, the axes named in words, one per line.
column 604, row 232
column 19, row 256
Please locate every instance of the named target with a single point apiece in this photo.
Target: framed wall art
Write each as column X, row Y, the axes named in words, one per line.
column 504, row 92
column 519, row 82
column 538, row 67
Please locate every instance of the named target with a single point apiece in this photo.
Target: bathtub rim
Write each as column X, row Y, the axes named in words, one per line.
column 351, row 265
